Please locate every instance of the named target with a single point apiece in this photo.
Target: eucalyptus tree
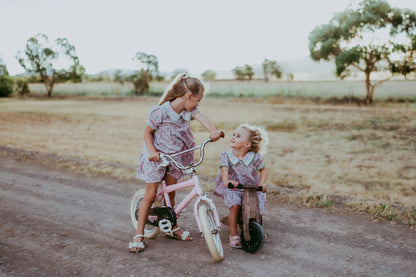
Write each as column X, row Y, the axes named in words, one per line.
column 149, row 67
column 270, row 67
column 243, row 72
column 373, row 37
column 42, row 58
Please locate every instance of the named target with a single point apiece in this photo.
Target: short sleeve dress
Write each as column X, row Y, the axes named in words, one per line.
column 172, row 134
column 243, row 171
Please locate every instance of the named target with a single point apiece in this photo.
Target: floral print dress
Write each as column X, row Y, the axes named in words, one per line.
column 172, row 134
column 243, row 171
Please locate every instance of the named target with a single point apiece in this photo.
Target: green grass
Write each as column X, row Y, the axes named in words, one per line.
column 399, row 91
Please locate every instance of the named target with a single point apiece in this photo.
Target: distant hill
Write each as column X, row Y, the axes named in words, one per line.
column 112, row 71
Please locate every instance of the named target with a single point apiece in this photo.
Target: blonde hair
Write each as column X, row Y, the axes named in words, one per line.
column 258, row 137
column 180, row 85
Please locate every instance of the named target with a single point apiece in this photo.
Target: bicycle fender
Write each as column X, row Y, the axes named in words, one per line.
column 212, row 207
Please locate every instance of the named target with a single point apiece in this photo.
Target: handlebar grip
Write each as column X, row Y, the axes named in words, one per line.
column 231, row 186
column 240, row 186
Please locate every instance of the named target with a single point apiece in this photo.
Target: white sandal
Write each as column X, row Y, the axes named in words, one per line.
column 186, row 236
column 136, row 247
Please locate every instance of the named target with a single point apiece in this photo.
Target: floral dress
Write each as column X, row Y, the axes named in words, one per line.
column 172, row 134
column 243, row 171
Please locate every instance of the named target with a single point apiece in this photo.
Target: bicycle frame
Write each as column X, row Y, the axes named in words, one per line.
column 196, row 191
column 194, row 181
column 164, row 218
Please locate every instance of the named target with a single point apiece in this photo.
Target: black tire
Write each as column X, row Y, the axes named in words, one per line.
column 256, row 238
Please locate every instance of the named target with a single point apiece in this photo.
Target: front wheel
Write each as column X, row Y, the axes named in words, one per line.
column 150, row 231
column 256, row 238
column 211, row 233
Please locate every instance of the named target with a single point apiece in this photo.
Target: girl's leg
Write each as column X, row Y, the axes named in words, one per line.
column 232, row 220
column 149, row 197
column 169, row 180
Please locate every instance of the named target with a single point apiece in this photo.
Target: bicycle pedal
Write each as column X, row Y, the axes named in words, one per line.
column 165, row 225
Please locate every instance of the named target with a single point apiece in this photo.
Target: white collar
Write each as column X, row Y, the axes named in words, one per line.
column 174, row 116
column 247, row 160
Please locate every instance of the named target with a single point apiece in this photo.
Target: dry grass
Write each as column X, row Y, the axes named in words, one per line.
column 365, row 153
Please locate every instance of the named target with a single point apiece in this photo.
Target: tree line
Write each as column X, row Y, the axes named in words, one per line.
column 41, row 56
column 373, row 37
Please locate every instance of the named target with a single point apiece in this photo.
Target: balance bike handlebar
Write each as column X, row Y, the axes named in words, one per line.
column 241, row 186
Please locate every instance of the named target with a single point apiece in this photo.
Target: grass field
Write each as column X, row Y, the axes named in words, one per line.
column 405, row 90
column 367, row 154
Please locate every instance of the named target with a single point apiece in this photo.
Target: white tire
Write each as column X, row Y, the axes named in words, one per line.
column 211, row 233
column 150, row 231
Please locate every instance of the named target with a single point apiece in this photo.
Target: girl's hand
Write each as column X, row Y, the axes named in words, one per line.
column 154, row 156
column 235, row 183
column 215, row 135
column 264, row 188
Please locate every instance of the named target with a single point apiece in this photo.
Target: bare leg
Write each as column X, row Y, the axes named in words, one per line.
column 169, row 180
column 232, row 220
column 149, row 197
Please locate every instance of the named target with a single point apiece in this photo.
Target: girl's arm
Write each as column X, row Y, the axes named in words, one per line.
column 148, row 140
column 206, row 123
column 263, row 177
column 224, row 176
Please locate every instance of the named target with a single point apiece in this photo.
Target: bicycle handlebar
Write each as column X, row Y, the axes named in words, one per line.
column 165, row 159
column 241, row 186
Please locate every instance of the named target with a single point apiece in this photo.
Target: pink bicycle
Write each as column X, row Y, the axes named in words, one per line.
column 164, row 218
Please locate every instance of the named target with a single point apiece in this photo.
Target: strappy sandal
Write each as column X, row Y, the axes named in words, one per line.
column 186, row 236
column 136, row 247
column 266, row 238
column 235, row 242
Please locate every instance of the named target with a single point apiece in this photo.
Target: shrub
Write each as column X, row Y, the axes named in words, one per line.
column 22, row 85
column 6, row 82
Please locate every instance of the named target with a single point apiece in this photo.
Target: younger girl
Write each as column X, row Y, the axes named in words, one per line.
column 242, row 165
column 168, row 131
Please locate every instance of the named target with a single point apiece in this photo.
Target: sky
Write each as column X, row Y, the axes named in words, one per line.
column 188, row 34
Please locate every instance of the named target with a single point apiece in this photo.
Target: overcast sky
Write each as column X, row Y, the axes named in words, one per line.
column 191, row 34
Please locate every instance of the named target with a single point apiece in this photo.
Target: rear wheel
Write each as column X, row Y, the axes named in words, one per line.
column 256, row 238
column 150, row 231
column 211, row 233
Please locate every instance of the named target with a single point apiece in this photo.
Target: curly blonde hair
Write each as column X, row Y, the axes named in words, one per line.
column 258, row 137
column 180, row 85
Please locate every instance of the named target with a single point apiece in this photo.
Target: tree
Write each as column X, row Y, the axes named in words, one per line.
column 6, row 81
column 209, row 75
column 118, row 77
column 270, row 67
column 243, row 72
column 22, row 86
column 374, row 37
column 149, row 67
column 76, row 72
column 41, row 58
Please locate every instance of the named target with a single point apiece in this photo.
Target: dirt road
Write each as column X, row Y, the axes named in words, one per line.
column 57, row 223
